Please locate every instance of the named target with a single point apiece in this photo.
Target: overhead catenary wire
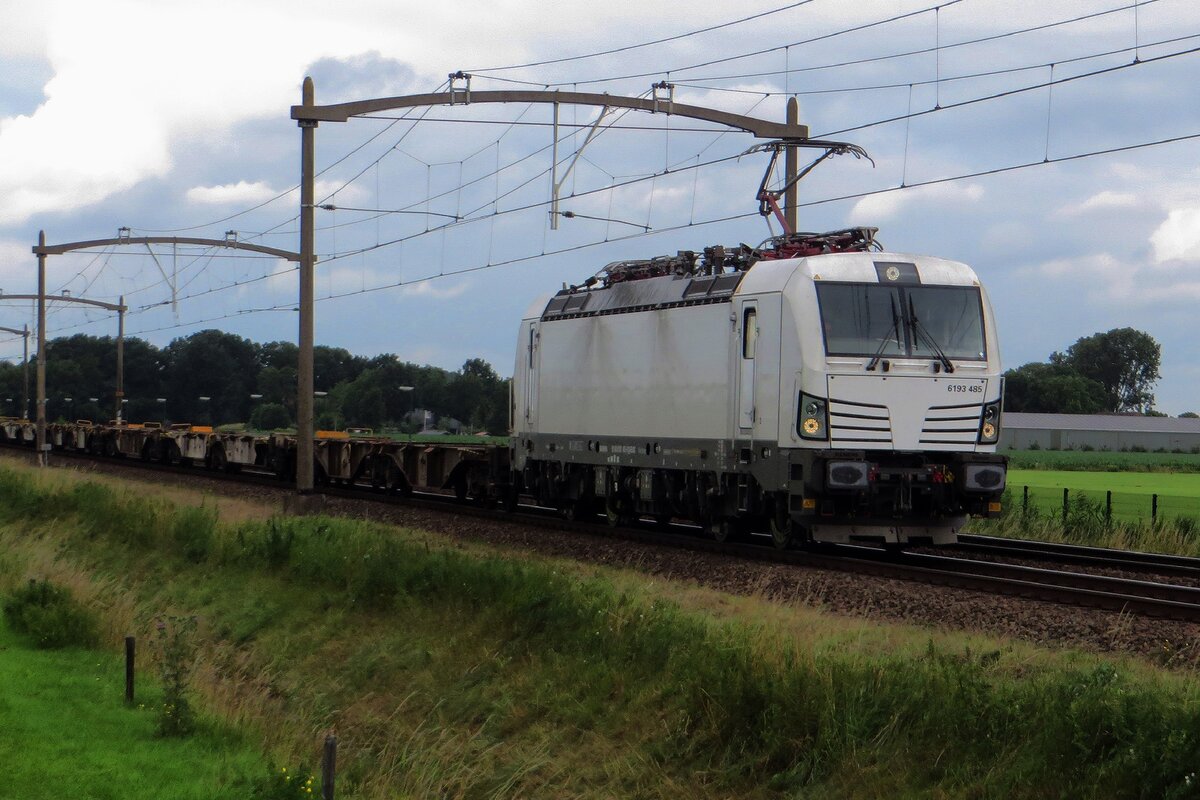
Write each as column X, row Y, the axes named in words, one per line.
column 1009, row 33
column 909, row 53
column 663, row 230
column 943, row 79
column 1010, row 92
column 652, row 43
column 764, row 51
column 336, row 256
column 907, row 116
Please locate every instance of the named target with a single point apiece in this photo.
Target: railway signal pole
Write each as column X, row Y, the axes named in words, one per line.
column 305, row 429
column 789, row 168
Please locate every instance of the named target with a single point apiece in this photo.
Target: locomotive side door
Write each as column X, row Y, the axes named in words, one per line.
column 748, row 344
column 529, row 411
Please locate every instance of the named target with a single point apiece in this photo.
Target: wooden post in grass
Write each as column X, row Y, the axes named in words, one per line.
column 1153, row 507
column 1066, row 504
column 1025, row 500
column 129, row 651
column 1108, row 507
column 328, row 764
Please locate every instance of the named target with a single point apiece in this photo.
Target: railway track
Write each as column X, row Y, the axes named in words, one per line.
column 1142, row 597
column 1125, row 560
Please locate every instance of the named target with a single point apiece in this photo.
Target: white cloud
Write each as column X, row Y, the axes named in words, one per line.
column 241, row 192
column 123, row 90
column 18, row 266
column 1178, row 237
column 23, row 33
column 1094, row 270
column 1104, row 200
column 889, row 204
column 433, row 290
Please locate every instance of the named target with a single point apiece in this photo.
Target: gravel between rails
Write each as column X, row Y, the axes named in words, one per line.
column 1166, row 643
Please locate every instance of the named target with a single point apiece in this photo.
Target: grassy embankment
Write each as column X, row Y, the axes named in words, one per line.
column 456, row 671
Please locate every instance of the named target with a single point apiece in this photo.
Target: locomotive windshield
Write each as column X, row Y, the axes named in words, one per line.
column 869, row 319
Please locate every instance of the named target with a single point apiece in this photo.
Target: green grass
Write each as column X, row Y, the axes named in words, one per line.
column 66, row 733
column 1103, row 461
column 459, row 672
column 1146, row 483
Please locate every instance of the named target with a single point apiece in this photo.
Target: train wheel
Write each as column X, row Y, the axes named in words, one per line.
column 616, row 512
column 783, row 532
column 716, row 529
column 573, row 510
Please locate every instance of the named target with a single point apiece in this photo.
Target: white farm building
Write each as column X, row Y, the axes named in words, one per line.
column 1021, row 431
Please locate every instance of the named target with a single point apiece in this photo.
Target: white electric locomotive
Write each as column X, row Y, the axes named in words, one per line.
column 815, row 388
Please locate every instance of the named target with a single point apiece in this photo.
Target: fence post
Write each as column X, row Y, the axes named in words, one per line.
column 1108, row 506
column 1153, row 507
column 1066, row 504
column 129, row 653
column 1025, row 500
column 328, row 765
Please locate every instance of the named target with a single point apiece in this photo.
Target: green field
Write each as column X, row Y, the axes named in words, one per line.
column 1178, row 493
column 1103, row 461
column 66, row 733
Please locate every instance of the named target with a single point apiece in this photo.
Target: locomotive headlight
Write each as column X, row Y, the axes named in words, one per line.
column 989, row 424
column 847, row 474
column 985, row 477
column 813, row 422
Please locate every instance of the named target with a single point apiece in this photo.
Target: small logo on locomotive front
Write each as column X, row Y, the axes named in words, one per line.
column 892, row 273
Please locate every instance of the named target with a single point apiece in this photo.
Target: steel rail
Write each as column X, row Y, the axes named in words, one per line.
column 1130, row 560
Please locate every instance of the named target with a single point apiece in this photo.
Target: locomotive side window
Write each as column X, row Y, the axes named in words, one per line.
column 749, row 332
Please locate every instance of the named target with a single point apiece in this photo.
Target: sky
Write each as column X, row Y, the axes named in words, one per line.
column 987, row 142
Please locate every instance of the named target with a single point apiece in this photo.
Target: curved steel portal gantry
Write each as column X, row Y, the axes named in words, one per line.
column 41, row 250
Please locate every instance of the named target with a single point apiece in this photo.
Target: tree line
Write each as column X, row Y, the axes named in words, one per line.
column 1112, row 372
column 214, row 378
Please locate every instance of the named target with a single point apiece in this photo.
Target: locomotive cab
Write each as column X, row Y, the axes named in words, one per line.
column 894, row 398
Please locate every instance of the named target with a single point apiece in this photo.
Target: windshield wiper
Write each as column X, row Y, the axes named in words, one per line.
column 920, row 331
column 874, row 362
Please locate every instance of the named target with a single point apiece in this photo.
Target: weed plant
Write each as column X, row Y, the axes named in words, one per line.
column 49, row 616
column 281, row 784
column 174, row 640
column 721, row 707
